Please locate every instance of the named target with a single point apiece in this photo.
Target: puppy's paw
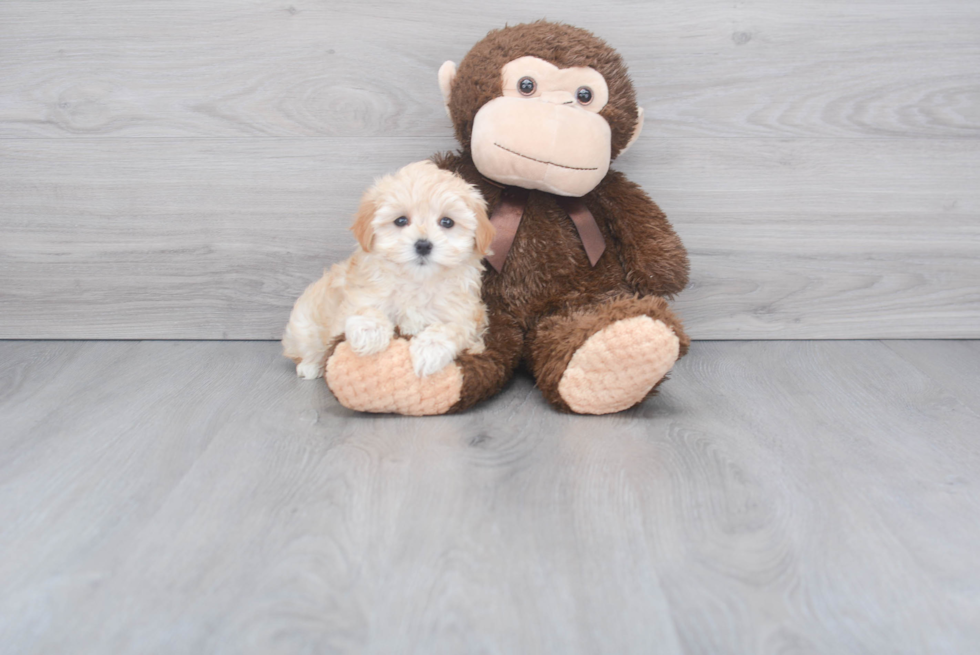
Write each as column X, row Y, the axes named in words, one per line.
column 431, row 352
column 309, row 370
column 366, row 335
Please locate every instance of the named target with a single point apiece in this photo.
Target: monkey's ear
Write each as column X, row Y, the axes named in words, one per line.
column 447, row 73
column 636, row 129
column 363, row 227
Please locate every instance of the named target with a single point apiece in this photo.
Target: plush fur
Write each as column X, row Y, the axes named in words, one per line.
column 548, row 300
column 389, row 283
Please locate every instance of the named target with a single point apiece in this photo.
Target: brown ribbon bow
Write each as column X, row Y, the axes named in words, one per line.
column 507, row 216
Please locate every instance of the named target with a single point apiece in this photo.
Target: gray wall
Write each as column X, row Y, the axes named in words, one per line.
column 182, row 169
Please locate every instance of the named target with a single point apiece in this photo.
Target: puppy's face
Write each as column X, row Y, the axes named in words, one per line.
column 423, row 217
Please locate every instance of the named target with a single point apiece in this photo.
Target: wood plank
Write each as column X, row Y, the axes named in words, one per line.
column 196, row 497
column 156, row 238
column 835, row 436
column 759, row 68
column 954, row 365
column 198, row 238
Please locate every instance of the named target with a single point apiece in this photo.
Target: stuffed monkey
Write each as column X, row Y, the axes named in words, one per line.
column 582, row 261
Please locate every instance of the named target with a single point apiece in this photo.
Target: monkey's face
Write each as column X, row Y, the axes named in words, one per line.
column 545, row 132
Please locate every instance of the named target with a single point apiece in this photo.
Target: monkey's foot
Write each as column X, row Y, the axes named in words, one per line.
column 386, row 382
column 619, row 365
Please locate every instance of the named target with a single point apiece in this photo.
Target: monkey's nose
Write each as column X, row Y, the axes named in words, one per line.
column 423, row 247
column 558, row 97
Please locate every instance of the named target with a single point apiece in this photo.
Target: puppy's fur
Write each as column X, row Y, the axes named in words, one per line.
column 391, row 281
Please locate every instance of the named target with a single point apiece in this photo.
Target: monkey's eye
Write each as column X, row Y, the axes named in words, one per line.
column 446, row 222
column 401, row 221
column 526, row 86
column 584, row 95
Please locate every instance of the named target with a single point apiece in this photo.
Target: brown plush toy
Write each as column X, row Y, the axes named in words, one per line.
column 583, row 259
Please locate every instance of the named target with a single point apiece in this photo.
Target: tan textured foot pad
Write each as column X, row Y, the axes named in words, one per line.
column 386, row 383
column 618, row 365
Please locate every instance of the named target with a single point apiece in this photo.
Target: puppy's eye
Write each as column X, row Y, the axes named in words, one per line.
column 401, row 221
column 447, row 222
column 526, row 86
column 584, row 95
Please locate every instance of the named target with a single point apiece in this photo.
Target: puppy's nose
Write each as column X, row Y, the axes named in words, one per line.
column 423, row 247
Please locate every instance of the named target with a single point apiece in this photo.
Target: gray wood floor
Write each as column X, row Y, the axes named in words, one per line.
column 191, row 497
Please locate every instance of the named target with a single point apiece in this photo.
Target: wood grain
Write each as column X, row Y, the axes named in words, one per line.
column 777, row 496
column 955, row 366
column 179, row 170
column 215, row 238
column 350, row 68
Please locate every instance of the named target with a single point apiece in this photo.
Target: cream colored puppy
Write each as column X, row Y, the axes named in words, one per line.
column 423, row 233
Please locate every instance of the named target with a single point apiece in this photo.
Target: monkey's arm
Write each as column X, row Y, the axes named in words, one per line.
column 651, row 252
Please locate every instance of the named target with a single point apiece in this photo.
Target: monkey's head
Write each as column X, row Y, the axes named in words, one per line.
column 542, row 106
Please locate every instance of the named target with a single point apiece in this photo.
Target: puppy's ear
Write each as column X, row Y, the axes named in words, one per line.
column 485, row 231
column 363, row 227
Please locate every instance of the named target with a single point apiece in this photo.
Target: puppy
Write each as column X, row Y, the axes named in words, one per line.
column 423, row 233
